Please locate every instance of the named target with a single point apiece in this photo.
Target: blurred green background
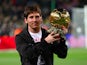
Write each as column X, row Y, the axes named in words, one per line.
column 76, row 56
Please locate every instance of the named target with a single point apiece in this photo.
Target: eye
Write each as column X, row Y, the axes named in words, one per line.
column 37, row 16
column 31, row 17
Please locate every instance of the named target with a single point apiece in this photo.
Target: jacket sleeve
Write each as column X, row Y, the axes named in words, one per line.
column 29, row 50
column 60, row 48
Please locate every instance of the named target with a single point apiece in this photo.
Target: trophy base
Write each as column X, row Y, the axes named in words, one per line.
column 57, row 30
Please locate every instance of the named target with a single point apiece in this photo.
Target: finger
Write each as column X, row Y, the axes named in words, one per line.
column 65, row 31
column 63, row 27
column 56, row 36
column 57, row 39
column 52, row 33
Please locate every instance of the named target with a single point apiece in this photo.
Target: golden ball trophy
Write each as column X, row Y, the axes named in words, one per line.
column 58, row 20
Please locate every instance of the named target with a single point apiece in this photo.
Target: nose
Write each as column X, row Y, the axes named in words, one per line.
column 34, row 19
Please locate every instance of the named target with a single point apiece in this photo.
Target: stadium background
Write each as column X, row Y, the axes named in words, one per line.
column 11, row 23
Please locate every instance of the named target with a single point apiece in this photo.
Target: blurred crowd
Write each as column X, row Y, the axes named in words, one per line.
column 11, row 17
column 11, row 12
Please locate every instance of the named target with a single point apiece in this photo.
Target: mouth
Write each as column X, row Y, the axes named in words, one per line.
column 35, row 24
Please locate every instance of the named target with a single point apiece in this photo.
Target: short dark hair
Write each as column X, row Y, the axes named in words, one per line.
column 31, row 8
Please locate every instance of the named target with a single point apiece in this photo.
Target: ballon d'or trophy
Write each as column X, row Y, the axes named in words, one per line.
column 58, row 20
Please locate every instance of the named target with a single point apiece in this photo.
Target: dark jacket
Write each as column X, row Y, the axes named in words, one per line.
column 29, row 51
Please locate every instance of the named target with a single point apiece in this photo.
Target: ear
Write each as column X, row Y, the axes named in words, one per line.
column 25, row 20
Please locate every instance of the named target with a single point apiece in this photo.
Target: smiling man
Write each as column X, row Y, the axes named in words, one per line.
column 34, row 44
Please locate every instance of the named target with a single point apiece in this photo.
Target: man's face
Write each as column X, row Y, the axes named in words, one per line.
column 34, row 20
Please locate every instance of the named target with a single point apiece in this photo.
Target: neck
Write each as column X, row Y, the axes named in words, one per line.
column 34, row 30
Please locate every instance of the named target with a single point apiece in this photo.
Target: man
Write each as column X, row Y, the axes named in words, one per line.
column 34, row 44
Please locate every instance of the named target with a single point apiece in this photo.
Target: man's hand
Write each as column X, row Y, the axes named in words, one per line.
column 52, row 37
column 65, row 30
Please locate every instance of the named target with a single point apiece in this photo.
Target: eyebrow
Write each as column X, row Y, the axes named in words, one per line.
column 34, row 16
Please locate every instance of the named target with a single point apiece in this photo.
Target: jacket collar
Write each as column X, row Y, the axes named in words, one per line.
column 28, row 36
